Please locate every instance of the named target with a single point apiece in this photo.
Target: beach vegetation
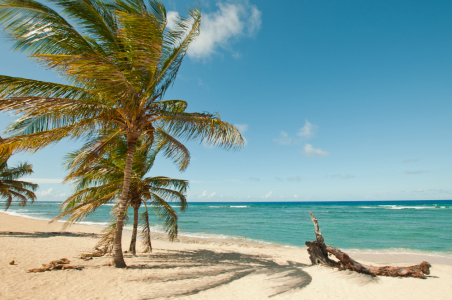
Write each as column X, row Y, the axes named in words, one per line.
column 118, row 59
column 102, row 183
column 11, row 188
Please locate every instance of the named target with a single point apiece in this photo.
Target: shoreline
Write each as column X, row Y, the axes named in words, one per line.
column 388, row 256
column 191, row 268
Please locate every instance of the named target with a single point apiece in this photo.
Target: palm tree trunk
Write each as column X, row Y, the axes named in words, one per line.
column 118, row 259
column 133, row 241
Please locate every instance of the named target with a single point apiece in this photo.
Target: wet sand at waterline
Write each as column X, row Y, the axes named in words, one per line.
column 193, row 268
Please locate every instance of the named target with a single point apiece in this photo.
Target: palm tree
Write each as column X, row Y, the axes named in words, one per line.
column 119, row 60
column 12, row 189
column 102, row 183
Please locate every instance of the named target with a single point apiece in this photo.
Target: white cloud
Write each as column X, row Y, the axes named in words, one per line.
column 50, row 193
column 255, row 21
column 171, row 18
column 312, row 152
column 45, row 193
column 44, row 180
column 241, row 127
column 419, row 191
column 254, row 178
column 204, row 143
column 307, row 131
column 283, row 138
column 220, row 28
column 268, row 195
column 295, row 196
column 211, row 195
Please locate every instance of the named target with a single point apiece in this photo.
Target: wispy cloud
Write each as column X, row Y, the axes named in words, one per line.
column 223, row 27
column 268, row 195
column 242, row 128
column 45, row 193
column 307, row 131
column 205, row 195
column 310, row 151
column 254, row 179
column 283, row 138
column 304, row 133
column 50, row 193
column 415, row 172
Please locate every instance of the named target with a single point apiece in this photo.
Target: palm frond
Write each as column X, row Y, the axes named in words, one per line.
column 208, row 128
column 176, row 42
column 96, row 20
column 13, row 87
column 145, row 229
column 13, row 189
column 172, row 148
column 166, row 213
column 37, row 28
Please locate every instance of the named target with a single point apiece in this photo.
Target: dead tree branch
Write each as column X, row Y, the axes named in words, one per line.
column 319, row 251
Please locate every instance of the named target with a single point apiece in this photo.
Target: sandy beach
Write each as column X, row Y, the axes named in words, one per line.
column 193, row 269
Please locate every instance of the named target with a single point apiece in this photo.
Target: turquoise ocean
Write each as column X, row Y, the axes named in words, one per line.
column 376, row 226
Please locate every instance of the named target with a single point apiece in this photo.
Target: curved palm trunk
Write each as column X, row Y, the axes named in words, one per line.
column 133, row 241
column 118, row 259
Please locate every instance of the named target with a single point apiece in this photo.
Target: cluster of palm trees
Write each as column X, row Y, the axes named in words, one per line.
column 118, row 57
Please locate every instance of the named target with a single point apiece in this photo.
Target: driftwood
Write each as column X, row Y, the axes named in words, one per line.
column 61, row 264
column 319, row 252
column 96, row 253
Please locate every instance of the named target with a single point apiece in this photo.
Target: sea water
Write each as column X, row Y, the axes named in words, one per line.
column 413, row 226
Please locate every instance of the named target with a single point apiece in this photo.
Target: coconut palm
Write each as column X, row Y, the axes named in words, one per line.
column 13, row 189
column 119, row 59
column 102, row 183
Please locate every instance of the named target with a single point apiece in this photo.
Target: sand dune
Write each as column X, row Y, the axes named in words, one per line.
column 191, row 269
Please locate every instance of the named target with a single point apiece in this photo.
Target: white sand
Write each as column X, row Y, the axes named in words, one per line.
column 192, row 269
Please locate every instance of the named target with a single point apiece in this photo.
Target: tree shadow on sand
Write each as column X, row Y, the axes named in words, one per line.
column 39, row 234
column 205, row 269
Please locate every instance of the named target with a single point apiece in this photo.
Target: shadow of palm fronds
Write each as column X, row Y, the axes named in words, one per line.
column 205, row 269
column 39, row 234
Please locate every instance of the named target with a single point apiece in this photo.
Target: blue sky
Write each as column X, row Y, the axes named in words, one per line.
column 337, row 100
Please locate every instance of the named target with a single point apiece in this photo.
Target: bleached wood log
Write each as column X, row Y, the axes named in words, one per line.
column 318, row 253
